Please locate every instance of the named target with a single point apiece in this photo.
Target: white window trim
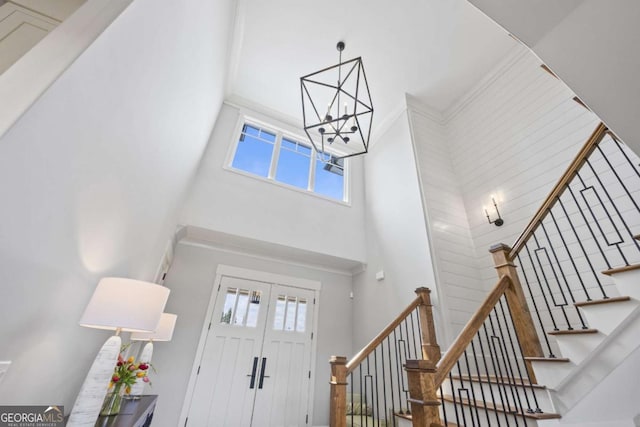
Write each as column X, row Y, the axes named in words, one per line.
column 280, row 132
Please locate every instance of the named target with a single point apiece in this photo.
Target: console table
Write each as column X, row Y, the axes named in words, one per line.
column 133, row 413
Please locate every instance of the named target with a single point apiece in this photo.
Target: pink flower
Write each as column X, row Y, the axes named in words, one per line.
column 145, row 379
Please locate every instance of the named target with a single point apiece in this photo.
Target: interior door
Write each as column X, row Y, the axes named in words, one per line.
column 228, row 373
column 283, row 386
column 255, row 368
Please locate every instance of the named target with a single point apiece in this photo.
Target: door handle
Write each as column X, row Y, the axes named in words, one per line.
column 262, row 375
column 253, row 373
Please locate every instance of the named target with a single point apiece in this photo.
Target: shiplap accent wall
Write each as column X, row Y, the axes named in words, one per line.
column 453, row 254
column 512, row 136
column 513, row 139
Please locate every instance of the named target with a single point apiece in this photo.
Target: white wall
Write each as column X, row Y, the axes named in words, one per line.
column 453, row 251
column 191, row 279
column 396, row 233
column 229, row 202
column 513, row 137
column 91, row 177
column 592, row 46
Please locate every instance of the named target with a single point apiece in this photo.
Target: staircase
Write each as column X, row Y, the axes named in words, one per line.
column 554, row 343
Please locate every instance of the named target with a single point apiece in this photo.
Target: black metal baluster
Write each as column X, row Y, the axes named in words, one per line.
column 584, row 251
column 493, row 358
column 584, row 218
column 384, row 382
column 615, row 207
column 544, row 296
column 570, row 257
column 471, row 387
column 390, row 363
column 398, row 371
column 443, row 406
column 533, row 392
column 564, row 303
column 535, row 305
column 488, row 374
column 497, row 340
column 530, row 408
column 564, row 277
column 622, row 184
column 453, row 396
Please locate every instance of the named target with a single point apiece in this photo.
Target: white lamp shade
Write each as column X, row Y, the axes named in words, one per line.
column 163, row 333
column 126, row 304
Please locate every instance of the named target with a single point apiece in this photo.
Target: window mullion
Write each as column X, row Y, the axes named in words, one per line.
column 312, row 169
column 275, row 156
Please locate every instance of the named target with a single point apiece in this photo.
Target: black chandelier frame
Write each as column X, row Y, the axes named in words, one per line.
column 346, row 128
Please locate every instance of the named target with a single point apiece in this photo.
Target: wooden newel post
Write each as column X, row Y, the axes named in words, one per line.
column 338, row 399
column 430, row 347
column 522, row 320
column 425, row 405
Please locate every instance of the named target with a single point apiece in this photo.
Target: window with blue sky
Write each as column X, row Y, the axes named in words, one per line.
column 271, row 155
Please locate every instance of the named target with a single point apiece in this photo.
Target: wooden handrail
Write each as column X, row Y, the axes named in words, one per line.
column 362, row 354
column 588, row 148
column 449, row 360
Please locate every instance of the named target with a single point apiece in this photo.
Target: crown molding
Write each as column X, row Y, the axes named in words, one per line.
column 416, row 106
column 516, row 54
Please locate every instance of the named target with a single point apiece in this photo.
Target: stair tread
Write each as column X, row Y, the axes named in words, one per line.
column 601, row 301
column 518, row 382
column 621, row 269
column 499, row 408
column 573, row 332
column 547, row 359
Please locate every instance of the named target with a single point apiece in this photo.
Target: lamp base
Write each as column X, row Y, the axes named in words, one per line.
column 94, row 388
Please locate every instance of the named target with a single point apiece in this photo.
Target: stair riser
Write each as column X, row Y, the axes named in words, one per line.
column 481, row 416
column 628, row 283
column 551, row 374
column 577, row 346
column 606, row 317
column 510, row 394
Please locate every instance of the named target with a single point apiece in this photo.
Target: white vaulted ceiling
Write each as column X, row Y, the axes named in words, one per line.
column 435, row 50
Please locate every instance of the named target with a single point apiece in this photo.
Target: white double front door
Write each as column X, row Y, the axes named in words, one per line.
column 255, row 366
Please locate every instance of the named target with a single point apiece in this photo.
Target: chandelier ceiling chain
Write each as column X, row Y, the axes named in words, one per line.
column 340, row 135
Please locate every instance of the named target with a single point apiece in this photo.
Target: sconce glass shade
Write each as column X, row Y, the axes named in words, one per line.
column 163, row 333
column 126, row 304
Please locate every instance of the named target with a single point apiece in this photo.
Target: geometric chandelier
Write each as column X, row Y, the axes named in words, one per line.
column 336, row 108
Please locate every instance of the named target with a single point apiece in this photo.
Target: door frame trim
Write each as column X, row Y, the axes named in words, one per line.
column 259, row 276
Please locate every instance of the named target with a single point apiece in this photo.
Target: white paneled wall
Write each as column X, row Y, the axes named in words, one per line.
column 513, row 139
column 453, row 253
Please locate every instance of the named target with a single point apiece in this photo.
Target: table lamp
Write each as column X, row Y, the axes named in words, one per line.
column 122, row 305
column 163, row 333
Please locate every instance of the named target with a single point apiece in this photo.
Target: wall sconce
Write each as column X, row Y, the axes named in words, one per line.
column 498, row 221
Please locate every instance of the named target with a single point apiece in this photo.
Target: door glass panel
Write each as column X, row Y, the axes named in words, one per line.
column 229, row 304
column 278, row 318
column 301, row 320
column 241, row 307
column 290, row 314
column 290, row 320
column 254, row 308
